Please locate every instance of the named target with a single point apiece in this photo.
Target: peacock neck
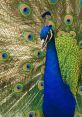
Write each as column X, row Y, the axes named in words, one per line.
column 52, row 70
column 58, row 100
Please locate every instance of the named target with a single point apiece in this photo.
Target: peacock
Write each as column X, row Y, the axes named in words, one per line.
column 40, row 58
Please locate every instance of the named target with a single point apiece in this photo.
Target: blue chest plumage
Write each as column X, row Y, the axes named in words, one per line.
column 58, row 100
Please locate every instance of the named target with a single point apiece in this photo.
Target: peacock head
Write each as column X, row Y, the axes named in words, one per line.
column 46, row 34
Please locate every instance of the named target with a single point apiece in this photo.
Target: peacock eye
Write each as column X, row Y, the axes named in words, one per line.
column 80, row 90
column 80, row 44
column 24, row 9
column 41, row 85
column 30, row 37
column 18, row 88
column 28, row 66
column 68, row 20
column 77, row 115
column 32, row 114
column 53, row 1
column 4, row 55
column 39, row 54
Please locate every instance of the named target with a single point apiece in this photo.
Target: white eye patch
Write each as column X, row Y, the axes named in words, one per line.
column 42, row 41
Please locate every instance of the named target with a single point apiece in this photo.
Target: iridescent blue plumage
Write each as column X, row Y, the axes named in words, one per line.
column 58, row 100
column 44, row 31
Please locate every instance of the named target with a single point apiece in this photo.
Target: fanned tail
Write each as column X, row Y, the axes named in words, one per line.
column 22, row 61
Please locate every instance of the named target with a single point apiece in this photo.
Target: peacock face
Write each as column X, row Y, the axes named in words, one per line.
column 46, row 35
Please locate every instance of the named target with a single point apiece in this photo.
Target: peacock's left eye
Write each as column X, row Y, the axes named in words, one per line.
column 68, row 20
column 24, row 9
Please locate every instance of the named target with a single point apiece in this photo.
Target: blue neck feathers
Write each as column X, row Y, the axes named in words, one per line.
column 58, row 100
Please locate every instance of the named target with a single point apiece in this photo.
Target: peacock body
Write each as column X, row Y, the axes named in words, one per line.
column 22, row 61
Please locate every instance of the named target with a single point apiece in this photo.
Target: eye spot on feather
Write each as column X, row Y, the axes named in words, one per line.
column 80, row 90
column 68, row 20
column 41, row 85
column 33, row 114
column 28, row 36
column 52, row 1
column 4, row 55
column 39, row 54
column 24, row 9
column 80, row 44
column 18, row 88
column 77, row 114
column 28, row 66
